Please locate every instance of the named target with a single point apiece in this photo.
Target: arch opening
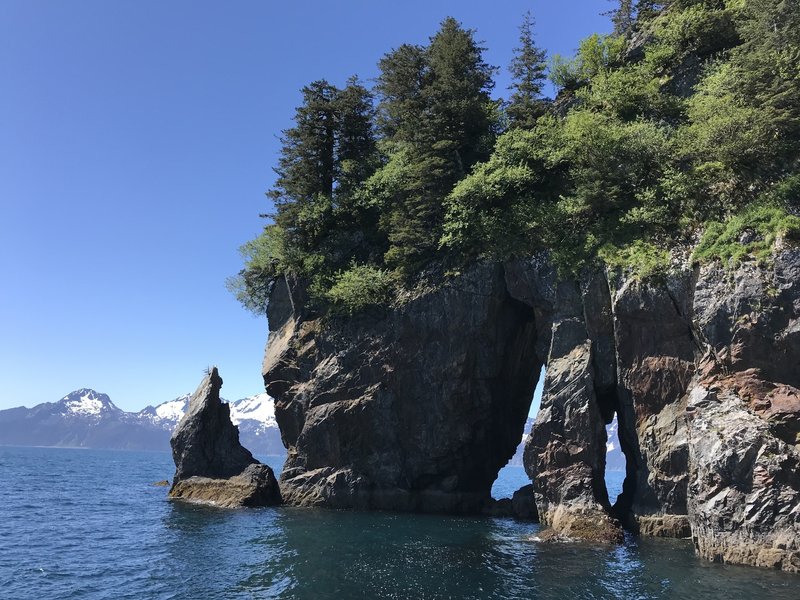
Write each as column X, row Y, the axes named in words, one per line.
column 511, row 476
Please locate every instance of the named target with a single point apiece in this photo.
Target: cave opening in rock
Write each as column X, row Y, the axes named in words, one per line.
column 619, row 481
column 621, row 453
column 628, row 445
column 512, row 476
column 615, row 461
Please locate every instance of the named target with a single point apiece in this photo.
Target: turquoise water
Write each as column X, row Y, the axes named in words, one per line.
column 89, row 524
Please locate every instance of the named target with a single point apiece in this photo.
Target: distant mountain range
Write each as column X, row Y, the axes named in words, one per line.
column 88, row 419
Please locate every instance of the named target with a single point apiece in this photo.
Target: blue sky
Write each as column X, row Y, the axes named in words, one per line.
column 137, row 139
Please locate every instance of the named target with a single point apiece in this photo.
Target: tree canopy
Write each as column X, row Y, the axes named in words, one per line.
column 684, row 121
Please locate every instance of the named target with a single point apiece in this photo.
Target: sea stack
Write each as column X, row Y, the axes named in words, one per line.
column 211, row 466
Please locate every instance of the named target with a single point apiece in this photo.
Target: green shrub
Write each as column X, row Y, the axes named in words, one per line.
column 596, row 53
column 751, row 233
column 358, row 287
column 265, row 258
column 642, row 260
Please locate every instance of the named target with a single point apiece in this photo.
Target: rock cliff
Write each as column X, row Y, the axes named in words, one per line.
column 417, row 408
column 211, row 466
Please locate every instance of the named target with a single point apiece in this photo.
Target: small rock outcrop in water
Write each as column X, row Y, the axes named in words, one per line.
column 211, row 466
column 523, row 504
column 418, row 407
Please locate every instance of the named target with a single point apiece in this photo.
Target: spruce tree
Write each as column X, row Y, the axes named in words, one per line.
column 623, row 17
column 458, row 98
column 436, row 110
column 355, row 236
column 399, row 86
column 528, row 70
column 304, row 186
column 355, row 145
column 647, row 9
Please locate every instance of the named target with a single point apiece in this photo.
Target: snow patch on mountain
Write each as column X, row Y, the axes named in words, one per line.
column 173, row 410
column 611, row 433
column 86, row 402
column 259, row 408
column 88, row 419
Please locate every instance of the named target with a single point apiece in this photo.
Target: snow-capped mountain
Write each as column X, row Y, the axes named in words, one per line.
column 259, row 408
column 167, row 414
column 88, row 419
column 84, row 418
column 258, row 429
column 87, row 403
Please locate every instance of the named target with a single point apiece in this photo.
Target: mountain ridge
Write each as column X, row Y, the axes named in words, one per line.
column 86, row 418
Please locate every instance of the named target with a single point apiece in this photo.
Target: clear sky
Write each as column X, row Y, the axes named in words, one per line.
column 136, row 143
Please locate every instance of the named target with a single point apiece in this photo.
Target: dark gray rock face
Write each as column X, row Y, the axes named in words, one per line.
column 210, row 464
column 415, row 409
column 418, row 407
column 565, row 453
column 743, row 416
column 523, row 504
column 656, row 353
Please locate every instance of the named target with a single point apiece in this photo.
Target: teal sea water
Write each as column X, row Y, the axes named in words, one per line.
column 90, row 524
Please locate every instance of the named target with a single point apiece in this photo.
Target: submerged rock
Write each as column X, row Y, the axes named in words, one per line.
column 211, row 466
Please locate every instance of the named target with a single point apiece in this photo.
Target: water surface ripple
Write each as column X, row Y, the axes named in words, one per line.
column 90, row 524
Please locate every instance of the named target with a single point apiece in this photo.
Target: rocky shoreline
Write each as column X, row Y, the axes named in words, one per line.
column 417, row 408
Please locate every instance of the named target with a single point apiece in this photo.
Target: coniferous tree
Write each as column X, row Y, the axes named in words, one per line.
column 355, row 146
column 623, row 17
column 647, row 9
column 436, row 109
column 304, row 187
column 528, row 69
column 458, row 98
column 355, row 235
column 399, row 85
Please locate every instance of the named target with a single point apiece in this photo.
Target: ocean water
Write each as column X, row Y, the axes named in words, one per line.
column 90, row 524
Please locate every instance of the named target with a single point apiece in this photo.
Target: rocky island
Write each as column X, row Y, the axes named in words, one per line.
column 212, row 467
column 636, row 236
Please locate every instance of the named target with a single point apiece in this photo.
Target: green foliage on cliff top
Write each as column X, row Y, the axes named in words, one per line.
column 685, row 119
column 750, row 233
column 360, row 286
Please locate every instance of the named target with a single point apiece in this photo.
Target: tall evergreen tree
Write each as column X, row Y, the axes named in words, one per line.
column 355, row 146
column 399, row 85
column 304, row 187
column 647, row 9
column 458, row 98
column 436, row 110
column 623, row 17
column 528, row 70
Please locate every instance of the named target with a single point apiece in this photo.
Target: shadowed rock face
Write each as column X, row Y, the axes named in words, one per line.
column 413, row 409
column 418, row 407
column 211, row 466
